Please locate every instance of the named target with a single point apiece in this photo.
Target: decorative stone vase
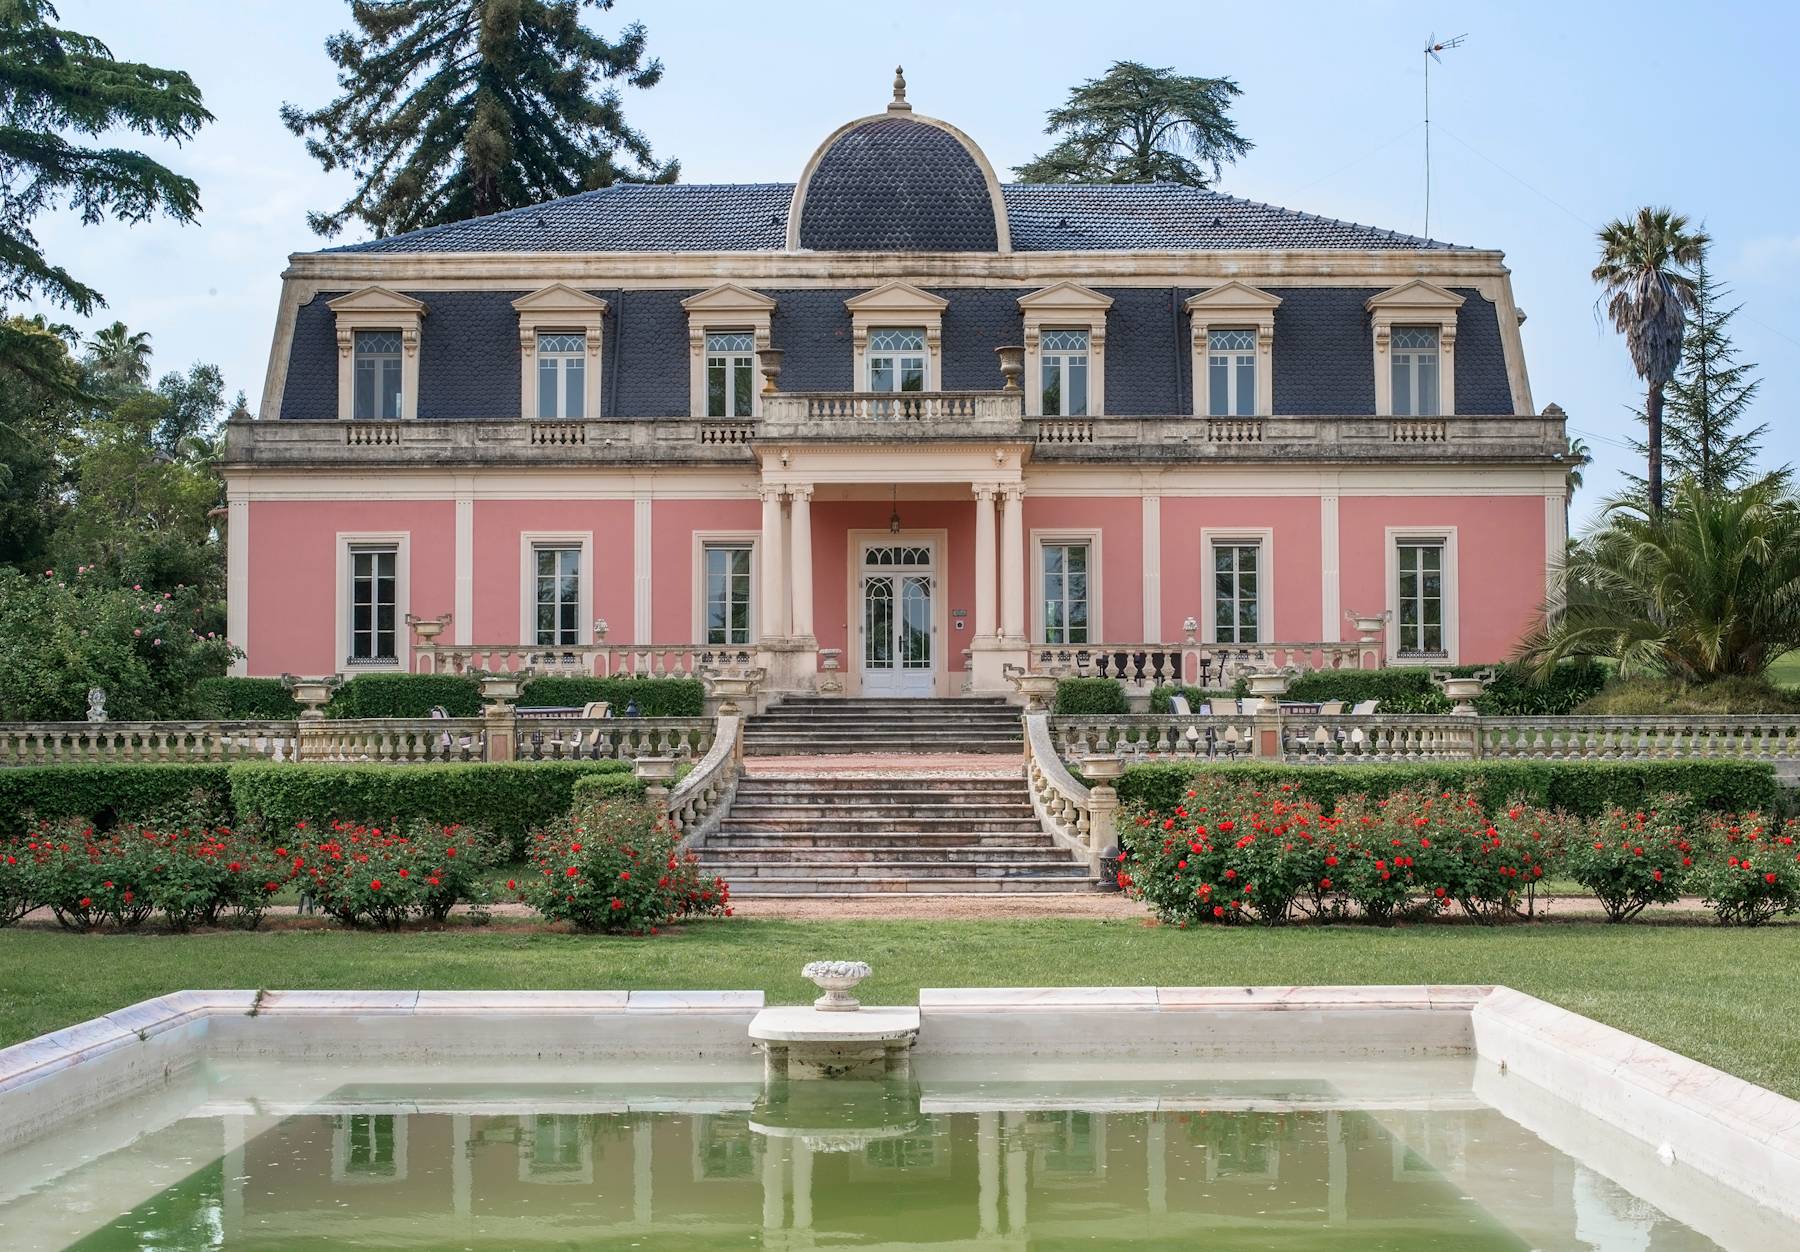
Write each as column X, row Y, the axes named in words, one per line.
column 1012, row 366
column 1368, row 625
column 835, row 979
column 426, row 629
column 313, row 694
column 498, row 691
column 1268, row 685
column 1104, row 770
column 656, row 770
column 1464, row 692
column 1039, row 690
column 730, row 688
column 768, row 360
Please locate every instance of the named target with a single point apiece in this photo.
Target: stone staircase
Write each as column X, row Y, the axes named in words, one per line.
column 810, row 726
column 868, row 833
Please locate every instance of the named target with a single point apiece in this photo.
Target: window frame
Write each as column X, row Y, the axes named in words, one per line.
column 348, row 543
column 564, row 356
column 896, row 355
column 1065, row 306
column 1232, row 305
column 1235, row 358
column 1065, row 364
column 705, row 539
column 1444, row 537
column 897, row 306
column 560, row 309
column 735, row 361
column 725, row 309
column 1262, row 537
column 378, row 309
column 530, row 541
column 390, row 363
column 1414, row 303
column 1036, row 626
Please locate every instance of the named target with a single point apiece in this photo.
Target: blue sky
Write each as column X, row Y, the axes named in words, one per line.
column 1551, row 119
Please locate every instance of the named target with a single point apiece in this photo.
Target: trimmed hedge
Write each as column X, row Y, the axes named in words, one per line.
column 508, row 799
column 107, row 794
column 1409, row 689
column 605, row 783
column 245, row 699
column 656, row 697
column 1584, row 788
column 406, row 695
column 1091, row 697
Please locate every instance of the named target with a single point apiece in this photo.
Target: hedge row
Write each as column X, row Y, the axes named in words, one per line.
column 415, row 695
column 245, row 700
column 1162, row 700
column 1410, row 689
column 1584, row 788
column 656, row 697
column 1090, row 697
column 108, row 794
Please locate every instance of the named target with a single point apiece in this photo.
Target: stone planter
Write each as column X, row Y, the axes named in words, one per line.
column 1102, row 770
column 835, row 979
column 1269, row 686
column 1368, row 625
column 1464, row 692
column 1039, row 690
column 313, row 694
column 1012, row 366
column 500, row 690
column 728, row 689
column 427, row 629
column 768, row 360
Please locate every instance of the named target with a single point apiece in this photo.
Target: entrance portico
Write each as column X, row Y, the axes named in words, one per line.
column 929, row 542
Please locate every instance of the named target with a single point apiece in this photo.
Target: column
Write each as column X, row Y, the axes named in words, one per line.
column 772, row 602
column 800, row 528
column 802, row 1184
column 985, row 560
column 1152, row 545
column 1330, row 594
column 1012, row 564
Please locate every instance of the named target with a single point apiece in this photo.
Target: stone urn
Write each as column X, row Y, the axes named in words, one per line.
column 498, row 691
column 835, row 979
column 1465, row 691
column 728, row 689
column 427, row 629
column 1102, row 771
column 768, row 360
column 1012, row 366
column 1270, row 685
column 1039, row 690
column 1368, row 625
column 313, row 694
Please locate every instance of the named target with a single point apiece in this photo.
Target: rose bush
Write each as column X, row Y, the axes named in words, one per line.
column 1633, row 859
column 385, row 875
column 615, row 865
column 1751, row 870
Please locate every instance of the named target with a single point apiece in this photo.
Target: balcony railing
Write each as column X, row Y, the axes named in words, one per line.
column 815, row 407
column 1213, row 665
column 585, row 660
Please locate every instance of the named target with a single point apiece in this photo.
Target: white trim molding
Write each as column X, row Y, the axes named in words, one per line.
column 1260, row 537
column 553, row 308
column 462, row 619
column 1233, row 305
column 727, row 307
column 377, row 308
column 237, row 581
column 529, row 542
column 704, row 539
column 401, row 542
column 1556, row 542
column 1151, row 542
column 897, row 304
column 1452, row 623
column 1065, row 306
column 1331, row 588
column 1091, row 536
column 1415, row 303
column 643, row 567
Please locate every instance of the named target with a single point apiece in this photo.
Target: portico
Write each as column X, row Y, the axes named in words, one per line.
column 922, row 546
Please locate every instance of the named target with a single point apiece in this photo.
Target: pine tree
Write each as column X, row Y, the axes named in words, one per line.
column 1709, row 396
column 453, row 109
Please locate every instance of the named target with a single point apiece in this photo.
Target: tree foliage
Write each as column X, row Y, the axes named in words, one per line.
column 1644, row 279
column 454, row 109
column 1137, row 124
column 1707, row 588
column 1709, row 397
column 57, row 88
column 119, row 356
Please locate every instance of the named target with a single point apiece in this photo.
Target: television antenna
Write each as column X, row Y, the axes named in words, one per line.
column 1433, row 46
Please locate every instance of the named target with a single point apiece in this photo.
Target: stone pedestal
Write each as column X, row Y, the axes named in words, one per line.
column 990, row 659
column 790, row 665
column 807, row 1043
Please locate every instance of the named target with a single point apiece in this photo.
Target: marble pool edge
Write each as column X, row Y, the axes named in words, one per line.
column 1739, row 1134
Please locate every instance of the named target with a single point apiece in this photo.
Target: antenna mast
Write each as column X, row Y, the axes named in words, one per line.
column 1433, row 46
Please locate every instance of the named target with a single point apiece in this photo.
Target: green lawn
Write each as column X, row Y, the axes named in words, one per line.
column 1785, row 672
column 1725, row 997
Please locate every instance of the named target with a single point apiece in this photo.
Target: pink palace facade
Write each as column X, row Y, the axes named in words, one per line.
column 889, row 430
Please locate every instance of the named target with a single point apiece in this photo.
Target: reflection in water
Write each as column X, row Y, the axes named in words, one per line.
column 805, row 1164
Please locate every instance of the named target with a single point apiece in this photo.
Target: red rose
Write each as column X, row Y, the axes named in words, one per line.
column 512, row 884
column 1440, row 893
column 572, row 871
column 1325, row 884
column 625, row 875
column 618, row 904
column 375, row 884
column 1769, row 878
column 1218, row 910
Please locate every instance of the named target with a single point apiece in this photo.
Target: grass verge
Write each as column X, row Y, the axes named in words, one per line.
column 1724, row 997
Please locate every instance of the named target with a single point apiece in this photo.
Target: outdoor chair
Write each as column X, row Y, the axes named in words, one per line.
column 449, row 744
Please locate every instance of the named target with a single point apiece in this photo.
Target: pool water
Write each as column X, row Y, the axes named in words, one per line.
column 270, row 1157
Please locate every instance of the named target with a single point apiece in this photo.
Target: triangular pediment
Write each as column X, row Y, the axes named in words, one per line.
column 896, row 297
column 728, row 298
column 1416, row 294
column 560, row 298
column 1065, row 296
column 1233, row 295
column 376, row 300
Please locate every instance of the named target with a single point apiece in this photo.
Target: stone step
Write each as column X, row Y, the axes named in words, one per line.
column 800, row 840
column 832, row 809
column 838, row 745
column 1011, row 780
column 838, row 885
column 1041, row 852
column 737, row 871
column 894, row 702
column 1020, row 823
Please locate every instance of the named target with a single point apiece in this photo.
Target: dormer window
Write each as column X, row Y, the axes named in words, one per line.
column 377, row 376
column 1231, row 373
column 1063, row 372
column 1414, row 365
column 897, row 359
column 730, row 373
column 561, row 376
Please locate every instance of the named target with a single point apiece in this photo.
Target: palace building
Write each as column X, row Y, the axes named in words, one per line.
column 891, row 429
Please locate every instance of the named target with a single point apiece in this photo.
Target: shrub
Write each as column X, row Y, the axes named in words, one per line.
column 16, row 887
column 1402, row 689
column 359, row 873
column 616, row 781
column 245, row 699
column 1631, row 859
column 1751, row 871
column 1582, row 788
column 83, row 878
column 1090, row 697
column 106, row 795
column 1410, row 689
column 656, row 697
column 1512, row 694
column 192, row 876
column 614, row 865
column 1656, row 697
column 1162, row 698
column 406, row 695
column 1459, row 853
column 506, row 800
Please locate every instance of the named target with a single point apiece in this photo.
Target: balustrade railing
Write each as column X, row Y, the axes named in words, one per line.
column 698, row 801
column 1743, row 737
column 587, row 660
column 393, row 740
column 611, row 738
column 1146, row 735
column 84, row 743
column 891, row 406
column 1195, row 664
column 1063, row 804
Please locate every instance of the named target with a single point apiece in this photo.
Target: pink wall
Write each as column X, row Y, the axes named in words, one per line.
column 294, row 595
column 1298, row 581
column 500, row 584
column 1500, row 561
column 672, row 559
column 832, row 522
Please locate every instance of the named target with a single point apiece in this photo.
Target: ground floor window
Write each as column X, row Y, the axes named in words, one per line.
column 1065, row 591
column 374, row 604
column 1237, row 592
column 727, row 594
column 558, row 613
column 1420, row 593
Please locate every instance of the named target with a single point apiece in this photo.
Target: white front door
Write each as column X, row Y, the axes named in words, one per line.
column 897, row 632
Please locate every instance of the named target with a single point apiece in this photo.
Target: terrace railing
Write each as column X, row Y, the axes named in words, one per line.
column 1195, row 664
column 587, row 660
column 611, row 738
column 698, row 801
column 87, row 743
column 393, row 740
column 799, row 409
column 1064, row 805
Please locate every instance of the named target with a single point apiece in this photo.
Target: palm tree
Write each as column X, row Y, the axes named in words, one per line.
column 1580, row 457
column 1707, row 588
column 1647, row 296
column 119, row 356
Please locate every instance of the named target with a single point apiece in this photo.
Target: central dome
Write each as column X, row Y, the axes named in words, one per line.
column 896, row 182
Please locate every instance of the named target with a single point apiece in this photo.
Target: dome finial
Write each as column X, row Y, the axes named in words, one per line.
column 899, row 104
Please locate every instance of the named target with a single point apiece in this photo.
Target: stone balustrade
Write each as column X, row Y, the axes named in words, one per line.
column 1062, row 803
column 698, row 801
column 393, row 740
column 795, row 407
column 90, row 743
column 611, row 738
column 587, row 660
column 1195, row 664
